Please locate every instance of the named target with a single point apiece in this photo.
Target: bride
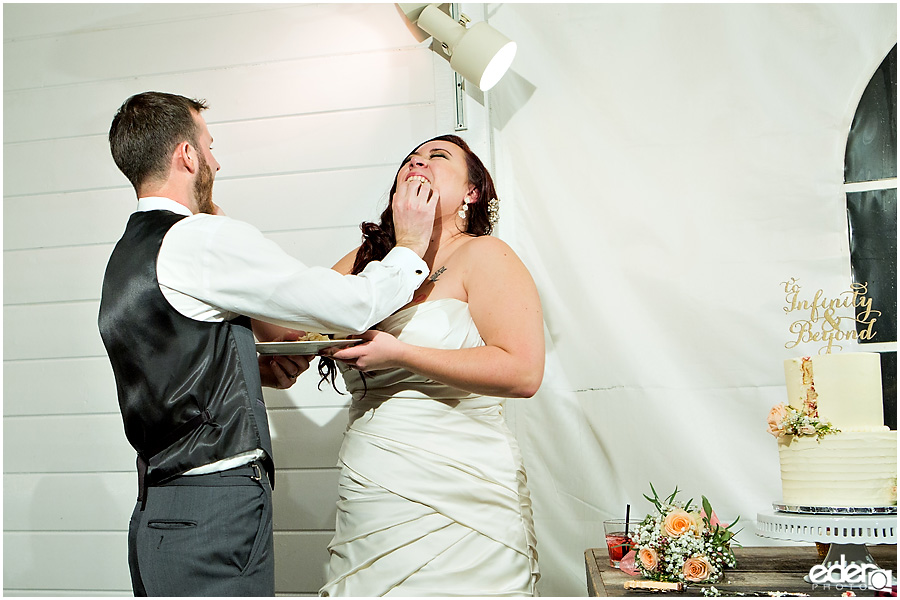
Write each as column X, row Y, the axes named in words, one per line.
column 433, row 496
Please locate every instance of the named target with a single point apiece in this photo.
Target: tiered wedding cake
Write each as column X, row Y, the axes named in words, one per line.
column 856, row 467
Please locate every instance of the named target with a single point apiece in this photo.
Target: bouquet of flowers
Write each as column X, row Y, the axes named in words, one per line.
column 680, row 543
column 787, row 420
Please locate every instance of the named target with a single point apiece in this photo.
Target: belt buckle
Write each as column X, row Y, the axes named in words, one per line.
column 257, row 476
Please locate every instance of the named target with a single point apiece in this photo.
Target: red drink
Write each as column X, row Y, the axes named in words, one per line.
column 618, row 545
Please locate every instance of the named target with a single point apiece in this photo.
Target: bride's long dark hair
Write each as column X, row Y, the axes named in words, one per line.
column 378, row 238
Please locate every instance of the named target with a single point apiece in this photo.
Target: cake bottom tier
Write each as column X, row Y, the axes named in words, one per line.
column 842, row 469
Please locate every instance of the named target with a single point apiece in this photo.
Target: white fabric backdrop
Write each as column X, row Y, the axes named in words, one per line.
column 662, row 169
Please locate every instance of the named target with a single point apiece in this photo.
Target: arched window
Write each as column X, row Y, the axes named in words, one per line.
column 870, row 182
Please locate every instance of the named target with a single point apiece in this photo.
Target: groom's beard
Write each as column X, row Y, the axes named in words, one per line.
column 203, row 188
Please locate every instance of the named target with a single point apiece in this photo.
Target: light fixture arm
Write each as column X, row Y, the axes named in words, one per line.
column 442, row 27
column 458, row 80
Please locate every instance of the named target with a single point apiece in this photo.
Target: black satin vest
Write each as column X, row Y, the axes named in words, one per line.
column 189, row 391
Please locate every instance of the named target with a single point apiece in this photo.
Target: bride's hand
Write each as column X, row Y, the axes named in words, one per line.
column 380, row 350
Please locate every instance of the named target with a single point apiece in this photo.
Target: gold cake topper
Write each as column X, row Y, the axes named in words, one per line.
column 817, row 319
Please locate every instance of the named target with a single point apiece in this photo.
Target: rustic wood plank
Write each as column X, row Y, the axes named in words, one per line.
column 759, row 570
column 595, row 585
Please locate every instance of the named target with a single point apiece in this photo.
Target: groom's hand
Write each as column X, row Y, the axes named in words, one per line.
column 281, row 372
column 413, row 205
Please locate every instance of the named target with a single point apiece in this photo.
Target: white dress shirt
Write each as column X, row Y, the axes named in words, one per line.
column 214, row 268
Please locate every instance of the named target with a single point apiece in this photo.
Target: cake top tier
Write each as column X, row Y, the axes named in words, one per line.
column 843, row 388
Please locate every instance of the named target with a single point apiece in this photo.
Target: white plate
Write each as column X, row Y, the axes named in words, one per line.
column 301, row 348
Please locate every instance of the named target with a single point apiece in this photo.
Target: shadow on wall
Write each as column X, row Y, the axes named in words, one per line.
column 306, row 442
column 508, row 97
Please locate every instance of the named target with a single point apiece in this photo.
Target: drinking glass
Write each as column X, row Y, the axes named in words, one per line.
column 618, row 540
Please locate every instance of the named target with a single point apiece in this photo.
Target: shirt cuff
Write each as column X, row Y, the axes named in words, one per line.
column 405, row 259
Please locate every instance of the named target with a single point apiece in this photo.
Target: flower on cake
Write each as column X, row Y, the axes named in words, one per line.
column 776, row 419
column 679, row 543
column 784, row 419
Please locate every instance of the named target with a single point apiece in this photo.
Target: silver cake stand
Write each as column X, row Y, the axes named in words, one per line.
column 846, row 531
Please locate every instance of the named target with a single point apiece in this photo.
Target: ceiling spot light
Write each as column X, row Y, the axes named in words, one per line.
column 479, row 53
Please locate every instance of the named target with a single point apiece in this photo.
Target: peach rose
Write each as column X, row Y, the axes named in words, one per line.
column 677, row 523
column 648, row 558
column 775, row 419
column 696, row 569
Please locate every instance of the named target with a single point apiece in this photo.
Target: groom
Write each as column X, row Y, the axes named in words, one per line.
column 184, row 290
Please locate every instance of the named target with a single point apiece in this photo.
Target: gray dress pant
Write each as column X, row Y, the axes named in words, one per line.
column 205, row 535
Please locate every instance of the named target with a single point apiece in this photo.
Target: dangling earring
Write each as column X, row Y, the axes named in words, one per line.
column 463, row 210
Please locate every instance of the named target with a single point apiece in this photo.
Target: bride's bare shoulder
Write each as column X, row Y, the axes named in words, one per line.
column 345, row 265
column 486, row 247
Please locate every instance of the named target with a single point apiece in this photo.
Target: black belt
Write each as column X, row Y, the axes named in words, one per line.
column 252, row 473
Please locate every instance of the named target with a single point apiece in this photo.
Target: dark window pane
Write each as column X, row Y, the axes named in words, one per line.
column 872, row 144
column 889, row 387
column 873, row 257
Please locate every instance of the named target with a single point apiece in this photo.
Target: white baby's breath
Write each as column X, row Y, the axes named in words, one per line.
column 709, row 547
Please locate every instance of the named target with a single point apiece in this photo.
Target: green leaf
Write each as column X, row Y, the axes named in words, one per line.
column 707, row 508
column 655, row 499
column 672, row 497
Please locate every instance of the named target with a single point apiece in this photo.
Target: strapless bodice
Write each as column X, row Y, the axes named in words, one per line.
column 445, row 323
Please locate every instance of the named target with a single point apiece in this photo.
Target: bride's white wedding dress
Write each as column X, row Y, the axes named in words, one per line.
column 433, row 499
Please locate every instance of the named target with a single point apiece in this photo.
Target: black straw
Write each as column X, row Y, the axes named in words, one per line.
column 627, row 515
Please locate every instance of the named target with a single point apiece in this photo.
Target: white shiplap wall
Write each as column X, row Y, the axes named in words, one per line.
column 312, row 106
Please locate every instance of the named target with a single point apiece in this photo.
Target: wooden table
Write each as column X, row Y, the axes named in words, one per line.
column 759, row 569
